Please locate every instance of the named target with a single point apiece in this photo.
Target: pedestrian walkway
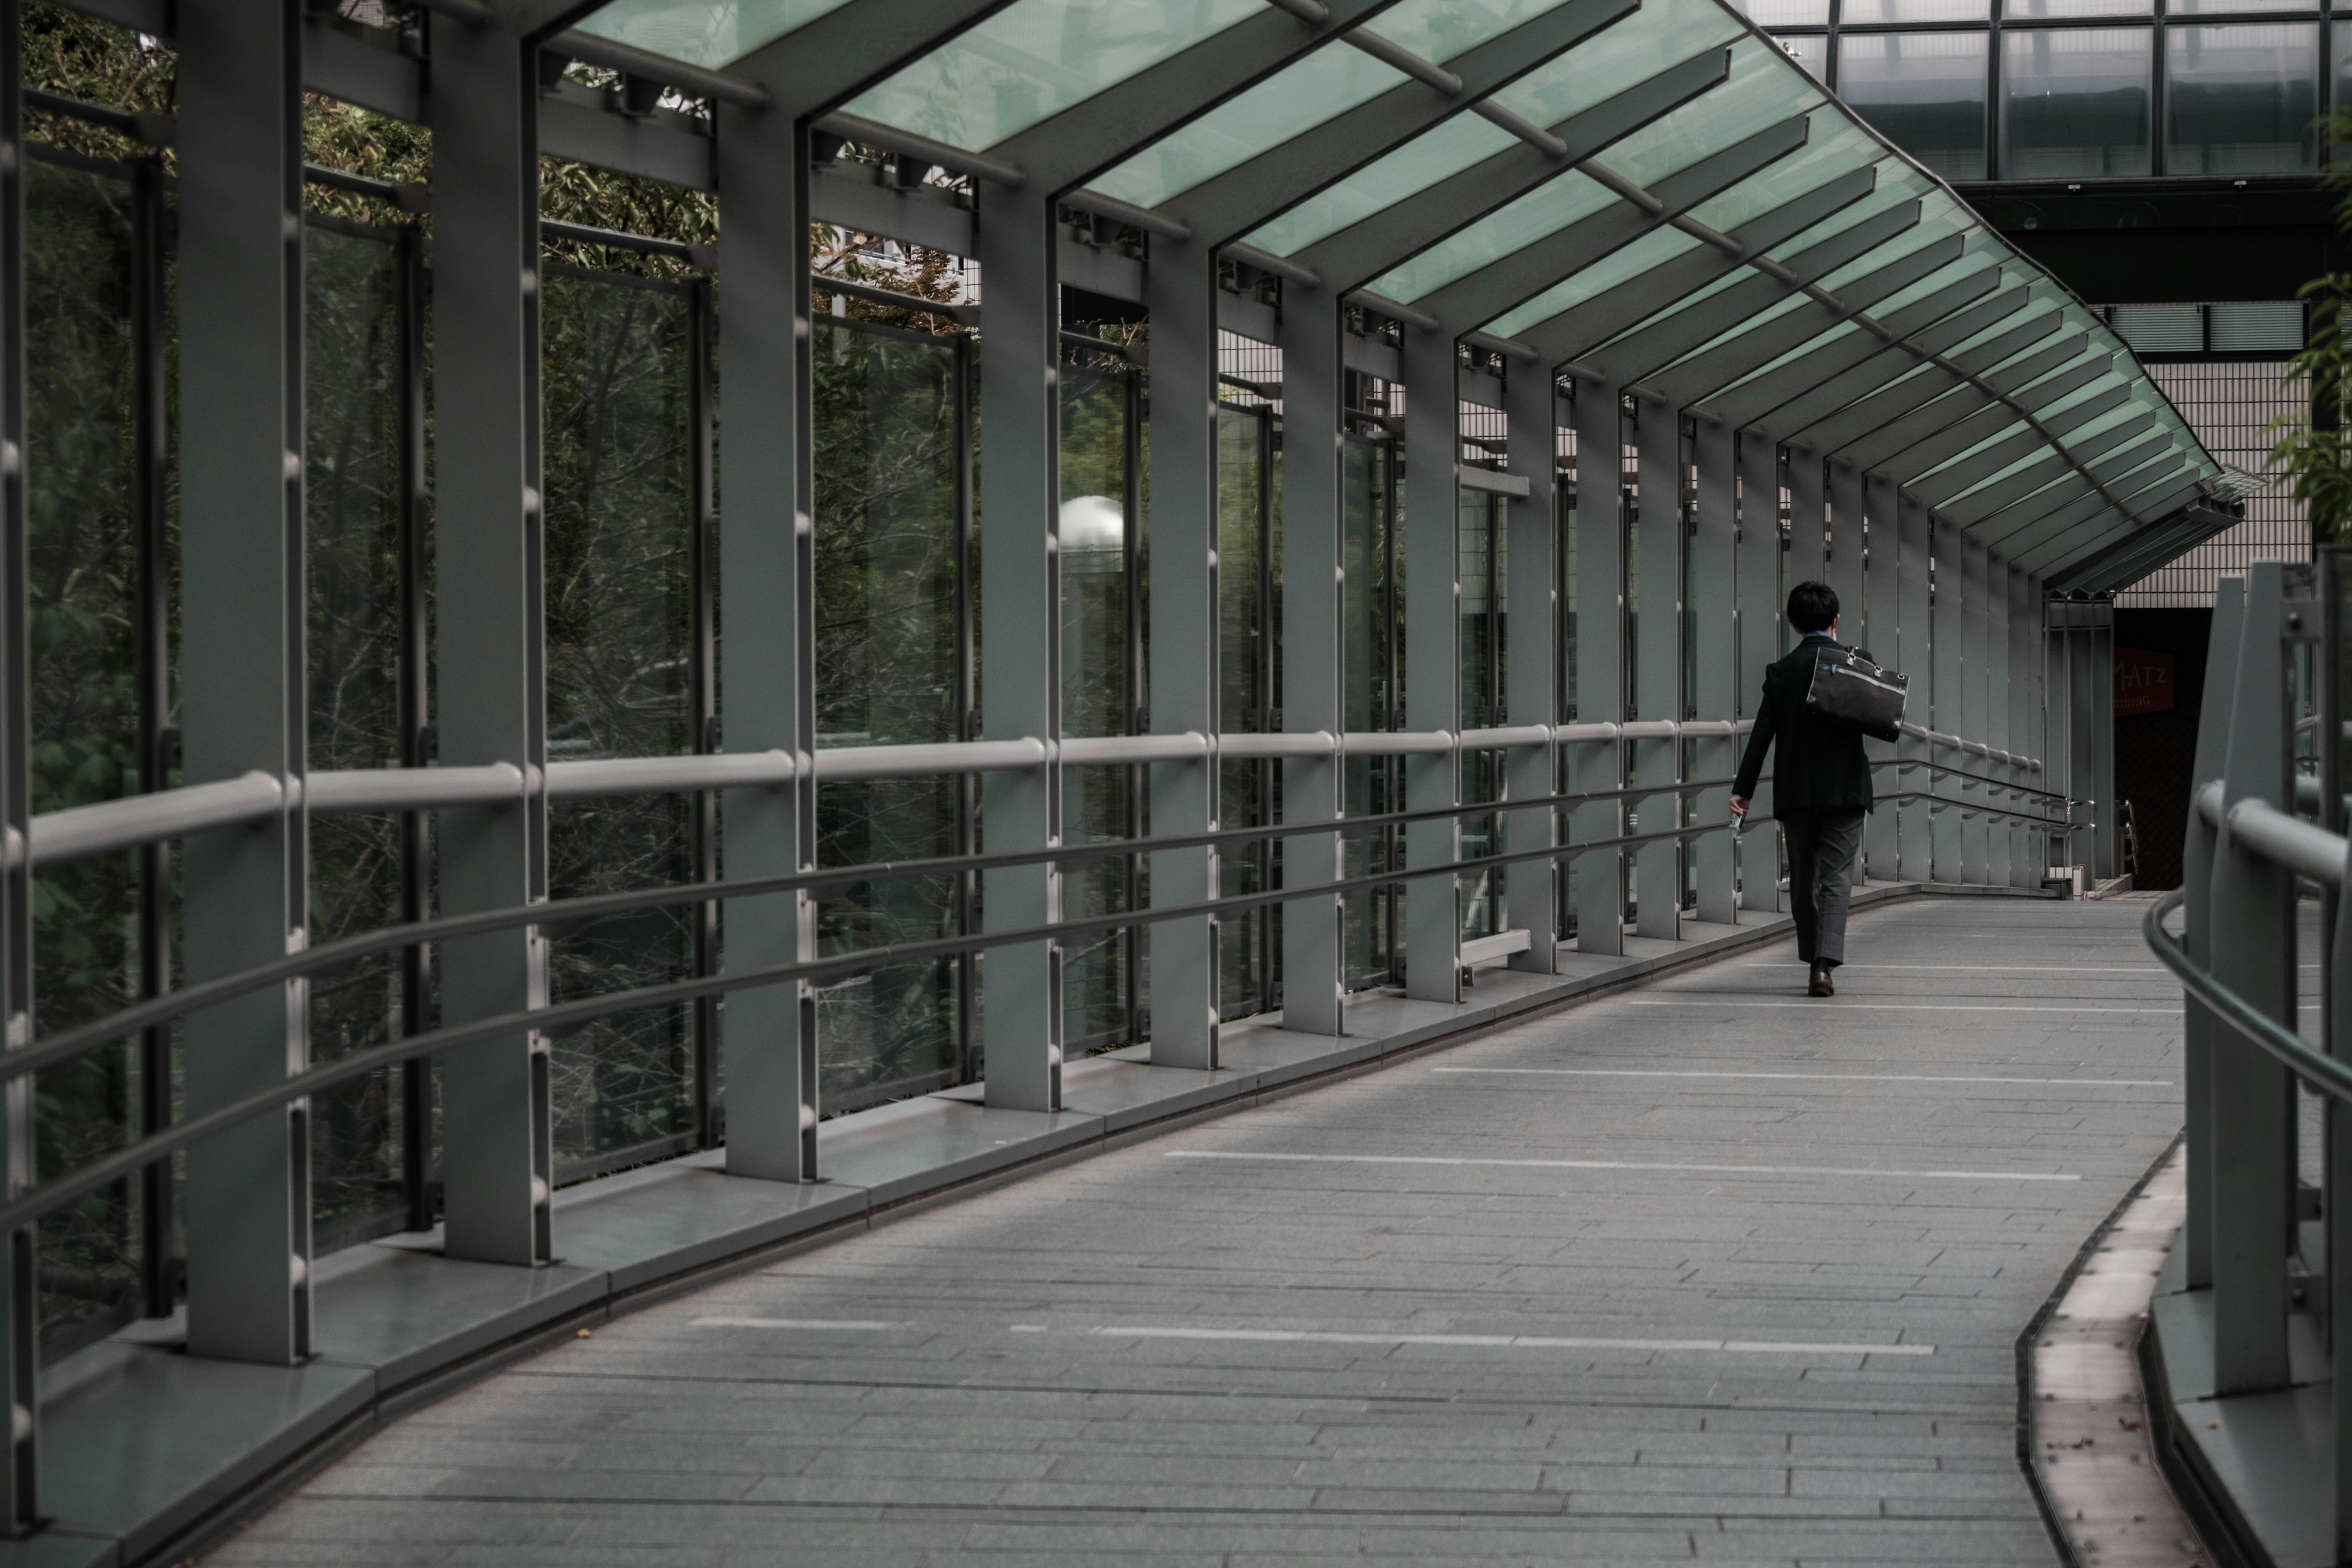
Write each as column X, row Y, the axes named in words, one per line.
column 1699, row 1270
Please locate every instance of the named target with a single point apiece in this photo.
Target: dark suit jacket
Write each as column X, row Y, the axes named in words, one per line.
column 1820, row 764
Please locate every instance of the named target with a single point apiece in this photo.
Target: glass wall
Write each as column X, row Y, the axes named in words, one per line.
column 1481, row 545
column 891, row 540
column 1249, row 547
column 1925, row 90
column 2074, row 103
column 623, row 535
column 2239, row 99
column 1373, row 689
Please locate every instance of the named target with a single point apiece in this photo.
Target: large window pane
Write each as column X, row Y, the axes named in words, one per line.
column 2239, row 99
column 1865, row 11
column 353, row 501
column 83, row 593
column 2074, row 103
column 1372, row 661
column 888, row 493
column 1925, row 90
column 1784, row 12
column 620, row 528
column 2027, row 10
column 1244, row 676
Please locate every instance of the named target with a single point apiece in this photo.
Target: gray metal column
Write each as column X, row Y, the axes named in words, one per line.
column 20, row 1316
column 1715, row 651
column 1843, row 570
column 1531, row 658
column 2106, row 842
column 1599, row 661
column 496, row 1128
column 1975, row 624
column 1915, row 654
column 1881, row 628
column 2082, row 742
column 1181, row 292
column 2253, row 939
column 766, row 592
column 1432, row 637
column 2198, row 1022
column 1021, row 639
column 242, row 694
column 1313, row 591
column 1658, row 539
column 1998, row 835
column 1761, row 639
column 1946, row 649
column 1808, row 519
column 2026, row 857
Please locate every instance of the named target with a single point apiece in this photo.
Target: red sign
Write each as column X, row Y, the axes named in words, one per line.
column 2143, row 682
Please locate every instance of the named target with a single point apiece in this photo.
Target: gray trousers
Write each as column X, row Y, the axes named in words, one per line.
column 1823, row 842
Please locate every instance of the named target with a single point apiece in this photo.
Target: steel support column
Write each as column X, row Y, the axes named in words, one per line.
column 1181, row 292
column 1881, row 626
column 1946, row 649
column 1974, row 621
column 1996, row 734
column 20, row 1316
column 1020, row 589
column 2253, row 939
column 497, row 1143
column 1715, row 652
column 2198, row 1022
column 1658, row 660
column 1762, row 561
column 1313, row 591
column 767, row 605
column 1843, row 570
column 1808, row 520
column 1432, row 637
column 1599, row 661
column 243, row 695
column 1531, row 658
column 2026, row 855
column 1915, row 654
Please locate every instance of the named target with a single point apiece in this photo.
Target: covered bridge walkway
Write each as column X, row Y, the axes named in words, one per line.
column 1699, row 1270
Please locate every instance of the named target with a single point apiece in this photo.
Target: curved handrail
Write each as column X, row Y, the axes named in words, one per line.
column 2322, row 1072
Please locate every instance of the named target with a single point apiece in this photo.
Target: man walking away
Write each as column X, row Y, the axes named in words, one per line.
column 1820, row 785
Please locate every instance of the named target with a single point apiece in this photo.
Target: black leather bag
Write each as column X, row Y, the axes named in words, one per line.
column 1852, row 693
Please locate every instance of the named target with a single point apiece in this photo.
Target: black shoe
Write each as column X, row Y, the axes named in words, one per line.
column 1820, row 985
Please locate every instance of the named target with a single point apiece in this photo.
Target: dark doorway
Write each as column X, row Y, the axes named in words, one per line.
column 2156, row 753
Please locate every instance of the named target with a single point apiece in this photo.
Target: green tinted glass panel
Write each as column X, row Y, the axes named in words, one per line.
column 1035, row 58
column 1547, row 209
column 703, row 32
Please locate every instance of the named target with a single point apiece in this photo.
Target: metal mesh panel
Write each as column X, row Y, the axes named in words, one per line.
column 2229, row 404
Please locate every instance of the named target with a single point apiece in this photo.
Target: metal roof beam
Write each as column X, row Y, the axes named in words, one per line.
column 1834, row 405
column 1943, row 398
column 2135, row 488
column 825, row 63
column 1989, row 419
column 1947, row 469
column 1783, row 398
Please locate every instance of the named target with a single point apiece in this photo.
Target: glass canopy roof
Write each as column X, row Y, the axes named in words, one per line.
column 1858, row 318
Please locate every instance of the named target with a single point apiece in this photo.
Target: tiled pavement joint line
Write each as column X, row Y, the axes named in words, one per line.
column 1813, row 1077
column 1667, row 1165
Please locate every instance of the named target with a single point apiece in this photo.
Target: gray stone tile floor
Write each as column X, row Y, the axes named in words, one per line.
column 1701, row 1271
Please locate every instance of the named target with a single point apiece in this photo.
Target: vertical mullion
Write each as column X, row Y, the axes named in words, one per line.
column 1020, row 441
column 1530, row 686
column 765, row 698
column 1947, row 645
column 151, row 436
column 1433, row 681
column 20, row 1362
column 1880, row 593
column 1975, row 616
column 498, row 1145
column 1715, row 678
column 1658, row 539
column 415, row 739
column 1599, row 661
column 703, row 695
column 240, row 171
column 1759, row 643
column 1133, row 666
column 967, row 670
column 1263, row 852
column 1916, row 654
column 1313, row 625
column 1996, row 736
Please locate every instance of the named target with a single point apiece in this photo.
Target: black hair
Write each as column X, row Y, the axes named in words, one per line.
column 1812, row 607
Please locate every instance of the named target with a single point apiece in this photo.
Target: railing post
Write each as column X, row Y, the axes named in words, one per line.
column 1432, row 684
column 2197, row 886
column 769, row 1035
column 1760, row 596
column 1599, row 662
column 1021, row 689
column 1714, row 546
column 1658, row 539
column 244, row 691
column 1531, row 658
column 1313, row 591
column 1882, row 627
column 2252, row 936
column 1915, row 654
column 1180, row 291
column 497, row 1159
column 19, row 1324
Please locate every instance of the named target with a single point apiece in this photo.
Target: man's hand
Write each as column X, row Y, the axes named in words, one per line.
column 1739, row 806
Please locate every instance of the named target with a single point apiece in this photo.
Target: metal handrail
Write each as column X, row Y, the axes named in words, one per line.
column 157, row 816
column 48, row 1198
column 2321, row 1071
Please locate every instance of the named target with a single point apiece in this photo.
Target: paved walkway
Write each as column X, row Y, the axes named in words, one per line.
column 1702, row 1271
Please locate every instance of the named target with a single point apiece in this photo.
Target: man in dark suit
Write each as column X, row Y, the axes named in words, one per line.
column 1820, row 785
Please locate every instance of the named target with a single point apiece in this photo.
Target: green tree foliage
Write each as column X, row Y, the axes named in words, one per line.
column 2311, row 451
